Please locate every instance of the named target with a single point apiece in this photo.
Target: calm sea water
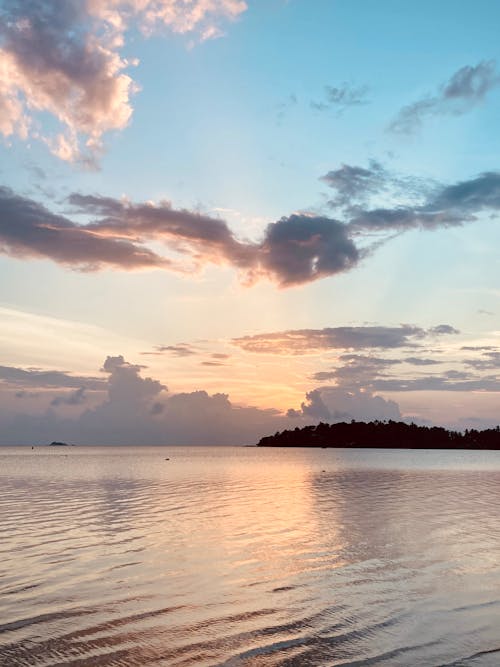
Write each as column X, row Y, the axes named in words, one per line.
column 248, row 557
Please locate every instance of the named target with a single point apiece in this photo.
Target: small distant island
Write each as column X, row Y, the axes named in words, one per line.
column 383, row 434
column 54, row 443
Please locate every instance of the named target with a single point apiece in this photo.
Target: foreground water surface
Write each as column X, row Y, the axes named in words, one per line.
column 248, row 557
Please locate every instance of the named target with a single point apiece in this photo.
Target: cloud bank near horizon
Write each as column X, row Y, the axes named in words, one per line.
column 124, row 407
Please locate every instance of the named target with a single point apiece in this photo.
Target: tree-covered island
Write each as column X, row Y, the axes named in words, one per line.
column 380, row 434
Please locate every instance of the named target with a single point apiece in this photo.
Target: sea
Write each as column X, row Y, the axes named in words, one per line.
column 245, row 556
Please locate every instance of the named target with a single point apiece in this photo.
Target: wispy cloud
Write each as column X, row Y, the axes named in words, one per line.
column 465, row 89
column 303, row 341
column 179, row 350
column 340, row 98
column 33, row 377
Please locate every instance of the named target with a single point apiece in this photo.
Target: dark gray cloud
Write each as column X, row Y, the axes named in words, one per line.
column 472, row 196
column 340, row 98
column 442, row 329
column 302, row 341
column 447, row 206
column 421, row 361
column 38, row 378
column 466, row 88
column 302, row 248
column 295, row 249
column 490, row 359
column 376, row 374
column 28, row 229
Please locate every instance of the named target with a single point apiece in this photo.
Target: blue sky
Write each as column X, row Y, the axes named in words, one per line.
column 326, row 165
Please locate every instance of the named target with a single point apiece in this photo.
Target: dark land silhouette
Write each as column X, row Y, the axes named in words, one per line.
column 381, row 434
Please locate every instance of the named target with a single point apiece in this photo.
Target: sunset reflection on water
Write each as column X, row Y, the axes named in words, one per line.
column 241, row 556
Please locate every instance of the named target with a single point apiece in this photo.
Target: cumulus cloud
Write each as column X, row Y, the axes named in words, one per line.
column 303, row 341
column 465, row 89
column 333, row 404
column 63, row 58
column 340, row 98
column 140, row 411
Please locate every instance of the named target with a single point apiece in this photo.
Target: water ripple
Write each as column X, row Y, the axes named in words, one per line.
column 245, row 557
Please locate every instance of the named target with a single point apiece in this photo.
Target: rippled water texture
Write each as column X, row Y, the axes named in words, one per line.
column 244, row 556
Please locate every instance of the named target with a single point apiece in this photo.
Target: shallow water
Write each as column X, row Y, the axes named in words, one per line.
column 248, row 557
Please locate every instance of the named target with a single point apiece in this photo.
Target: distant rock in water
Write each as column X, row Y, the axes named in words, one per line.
column 54, row 443
column 378, row 434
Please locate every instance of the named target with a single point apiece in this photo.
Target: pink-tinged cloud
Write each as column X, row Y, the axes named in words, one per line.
column 303, row 341
column 294, row 250
column 63, row 58
column 29, row 230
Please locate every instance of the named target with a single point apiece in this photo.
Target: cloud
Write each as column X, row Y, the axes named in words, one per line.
column 28, row 229
column 342, row 97
column 283, row 107
column 447, row 206
column 376, row 374
column 354, row 184
column 180, row 350
column 466, row 88
column 332, row 404
column 76, row 397
column 301, row 248
column 438, row 383
column 62, row 58
column 140, row 411
column 303, row 341
column 490, row 358
column 20, row 377
column 295, row 249
column 421, row 361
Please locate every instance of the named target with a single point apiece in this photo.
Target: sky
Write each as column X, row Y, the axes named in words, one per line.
column 223, row 218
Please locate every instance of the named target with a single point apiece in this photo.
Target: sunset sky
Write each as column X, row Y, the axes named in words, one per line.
column 221, row 218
